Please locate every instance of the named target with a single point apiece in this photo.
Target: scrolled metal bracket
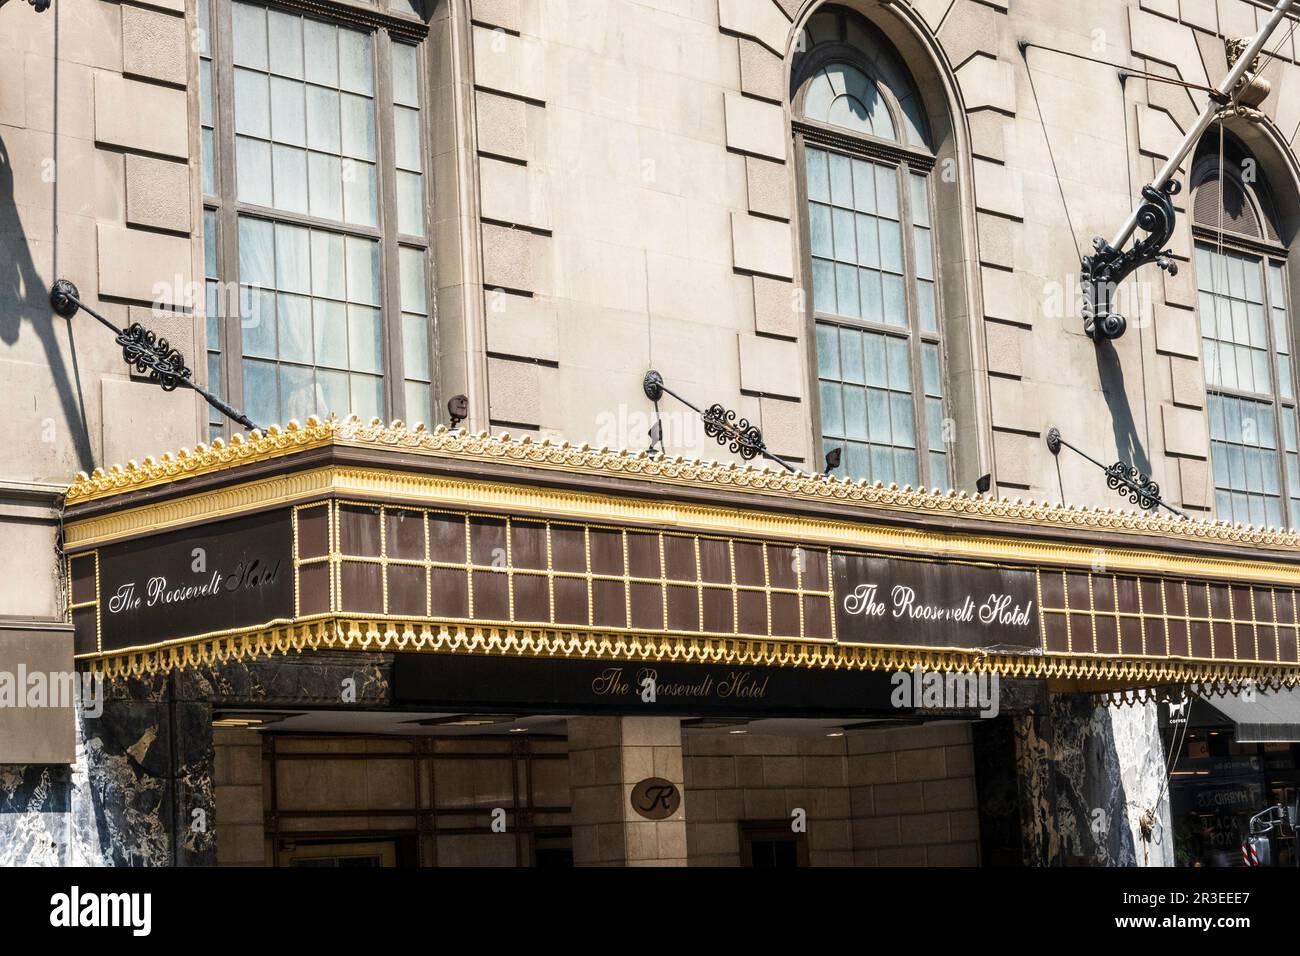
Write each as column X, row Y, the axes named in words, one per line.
column 145, row 351
column 1108, row 266
column 1138, row 488
column 737, row 435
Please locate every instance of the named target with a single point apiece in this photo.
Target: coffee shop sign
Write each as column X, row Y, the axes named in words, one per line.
column 997, row 608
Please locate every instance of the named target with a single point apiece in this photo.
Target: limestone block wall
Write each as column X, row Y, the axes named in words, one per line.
column 894, row 797
column 96, row 186
column 636, row 206
column 634, row 212
column 608, row 757
column 238, row 796
column 914, row 801
column 1142, row 398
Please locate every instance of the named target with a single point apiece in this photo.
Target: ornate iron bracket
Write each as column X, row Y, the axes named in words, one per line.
column 1120, row 477
column 144, row 351
column 1108, row 266
column 739, row 436
column 40, row 5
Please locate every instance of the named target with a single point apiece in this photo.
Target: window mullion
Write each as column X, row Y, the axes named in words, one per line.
column 390, row 297
column 231, row 297
column 906, row 225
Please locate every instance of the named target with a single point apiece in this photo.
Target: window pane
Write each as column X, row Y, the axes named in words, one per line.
column 868, row 242
column 261, row 392
column 325, row 185
column 415, row 346
column 323, row 120
column 322, row 52
column 412, row 279
column 358, row 126
column 288, row 112
column 406, row 140
column 365, row 339
column 887, row 191
column 367, row 396
column 356, row 62
column 256, row 253
column 360, row 193
column 331, row 336
column 920, row 201
column 293, row 314
column 406, row 84
column 873, row 304
column 410, row 203
column 924, row 254
column 289, row 178
column 846, row 285
column 252, row 104
column 832, row 409
column 823, row 286
column 841, row 180
column 334, row 392
column 363, row 271
column 327, row 276
column 284, row 32
column 257, row 324
column 248, row 23
column 253, row 179
column 925, row 306
column 851, row 360
column 297, row 392
column 895, row 302
column 864, row 186
column 292, row 259
column 891, row 246
column 819, row 183
column 931, row 370
column 900, row 369
column 419, row 402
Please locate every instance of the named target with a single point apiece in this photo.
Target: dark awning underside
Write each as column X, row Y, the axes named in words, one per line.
column 1267, row 717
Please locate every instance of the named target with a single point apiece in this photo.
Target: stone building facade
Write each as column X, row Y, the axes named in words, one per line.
column 857, row 225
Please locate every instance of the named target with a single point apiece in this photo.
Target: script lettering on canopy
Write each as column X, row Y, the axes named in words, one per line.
column 934, row 604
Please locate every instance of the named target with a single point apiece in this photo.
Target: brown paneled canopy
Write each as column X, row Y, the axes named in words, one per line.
column 348, row 535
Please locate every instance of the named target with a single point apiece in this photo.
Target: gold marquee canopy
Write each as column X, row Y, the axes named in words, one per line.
column 336, row 535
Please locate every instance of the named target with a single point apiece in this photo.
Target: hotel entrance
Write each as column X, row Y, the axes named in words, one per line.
column 397, row 647
column 422, row 790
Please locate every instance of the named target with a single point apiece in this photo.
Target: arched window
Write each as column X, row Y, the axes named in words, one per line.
column 866, row 160
column 1246, row 338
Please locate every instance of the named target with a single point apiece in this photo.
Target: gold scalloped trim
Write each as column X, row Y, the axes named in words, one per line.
column 582, row 459
column 378, row 636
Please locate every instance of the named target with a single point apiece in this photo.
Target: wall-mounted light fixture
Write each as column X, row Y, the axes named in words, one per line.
column 457, row 410
column 738, row 435
column 145, row 352
column 833, row 459
column 1120, row 477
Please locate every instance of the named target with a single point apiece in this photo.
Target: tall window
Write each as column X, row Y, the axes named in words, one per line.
column 315, row 210
column 1247, row 341
column 866, row 160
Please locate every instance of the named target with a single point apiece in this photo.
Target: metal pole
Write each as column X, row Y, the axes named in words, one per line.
column 1207, row 115
column 66, row 301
